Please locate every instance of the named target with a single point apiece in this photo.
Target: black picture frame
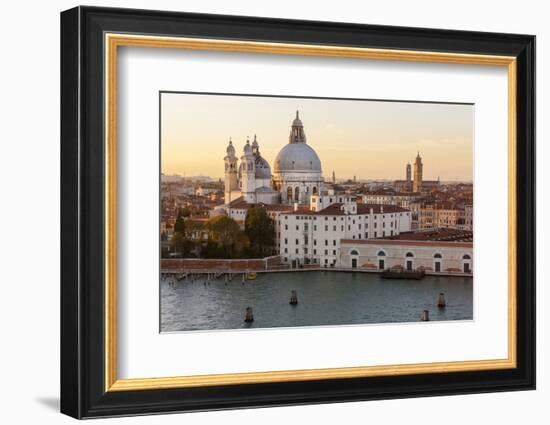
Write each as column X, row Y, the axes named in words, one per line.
column 83, row 392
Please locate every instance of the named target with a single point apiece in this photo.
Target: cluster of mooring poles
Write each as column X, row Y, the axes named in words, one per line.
column 249, row 316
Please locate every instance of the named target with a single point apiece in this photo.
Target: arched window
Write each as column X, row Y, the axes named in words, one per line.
column 296, row 193
column 438, row 255
column 354, row 252
column 466, row 257
column 289, row 194
column 409, row 254
column 314, row 191
column 381, row 254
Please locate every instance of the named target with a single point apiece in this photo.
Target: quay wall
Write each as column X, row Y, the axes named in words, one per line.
column 178, row 265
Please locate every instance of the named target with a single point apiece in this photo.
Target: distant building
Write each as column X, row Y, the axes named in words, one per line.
column 417, row 184
column 390, row 197
column 443, row 216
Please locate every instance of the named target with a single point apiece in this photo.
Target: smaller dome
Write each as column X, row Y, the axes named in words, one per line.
column 230, row 148
column 262, row 168
column 247, row 148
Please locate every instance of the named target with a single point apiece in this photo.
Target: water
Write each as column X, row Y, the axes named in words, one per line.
column 324, row 298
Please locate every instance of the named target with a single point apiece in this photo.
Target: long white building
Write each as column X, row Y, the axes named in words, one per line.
column 430, row 256
column 314, row 236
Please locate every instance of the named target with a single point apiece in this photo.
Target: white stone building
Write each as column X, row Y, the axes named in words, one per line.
column 430, row 256
column 313, row 236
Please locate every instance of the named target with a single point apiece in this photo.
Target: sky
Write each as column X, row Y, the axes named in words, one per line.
column 362, row 138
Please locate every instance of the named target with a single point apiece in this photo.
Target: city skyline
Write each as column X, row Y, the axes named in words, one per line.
column 371, row 140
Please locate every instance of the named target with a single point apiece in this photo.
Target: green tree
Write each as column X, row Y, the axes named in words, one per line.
column 181, row 245
column 179, row 226
column 260, row 230
column 226, row 234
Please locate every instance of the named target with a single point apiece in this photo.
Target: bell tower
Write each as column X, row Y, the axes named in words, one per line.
column 231, row 179
column 417, row 183
column 248, row 174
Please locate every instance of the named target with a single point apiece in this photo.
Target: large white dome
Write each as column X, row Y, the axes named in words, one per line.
column 297, row 157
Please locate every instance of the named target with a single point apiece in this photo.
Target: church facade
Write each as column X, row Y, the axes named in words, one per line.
column 297, row 173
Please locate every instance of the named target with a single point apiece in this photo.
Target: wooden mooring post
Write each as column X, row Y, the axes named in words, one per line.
column 441, row 303
column 249, row 316
column 293, row 297
column 425, row 316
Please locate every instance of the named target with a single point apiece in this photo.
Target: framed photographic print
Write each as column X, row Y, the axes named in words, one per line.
column 261, row 212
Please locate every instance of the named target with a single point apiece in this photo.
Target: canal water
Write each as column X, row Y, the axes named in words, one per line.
column 324, row 298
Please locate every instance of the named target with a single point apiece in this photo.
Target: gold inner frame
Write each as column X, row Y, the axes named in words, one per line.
column 113, row 41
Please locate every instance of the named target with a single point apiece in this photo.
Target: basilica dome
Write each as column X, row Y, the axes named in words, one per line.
column 297, row 157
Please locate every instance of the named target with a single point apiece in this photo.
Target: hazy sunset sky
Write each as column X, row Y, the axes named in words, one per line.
column 368, row 139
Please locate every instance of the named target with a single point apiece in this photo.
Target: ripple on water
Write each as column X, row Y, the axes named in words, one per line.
column 324, row 298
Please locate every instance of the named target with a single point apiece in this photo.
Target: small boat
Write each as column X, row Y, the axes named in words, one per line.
column 400, row 273
column 251, row 275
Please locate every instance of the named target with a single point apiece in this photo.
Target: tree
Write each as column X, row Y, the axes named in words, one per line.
column 181, row 245
column 179, row 226
column 225, row 232
column 260, row 230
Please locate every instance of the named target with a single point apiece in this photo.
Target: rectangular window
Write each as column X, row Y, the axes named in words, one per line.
column 286, row 240
column 326, row 252
column 326, row 228
column 297, row 250
column 334, row 252
column 314, row 252
column 314, row 227
column 314, row 241
column 297, row 242
column 305, row 250
column 334, row 242
column 334, row 228
column 326, row 242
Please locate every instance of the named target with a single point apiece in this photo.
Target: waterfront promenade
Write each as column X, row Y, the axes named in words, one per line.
column 261, row 265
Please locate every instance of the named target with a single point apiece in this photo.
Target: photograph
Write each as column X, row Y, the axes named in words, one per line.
column 284, row 211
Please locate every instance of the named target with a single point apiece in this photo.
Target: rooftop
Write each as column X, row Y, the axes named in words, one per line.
column 443, row 234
